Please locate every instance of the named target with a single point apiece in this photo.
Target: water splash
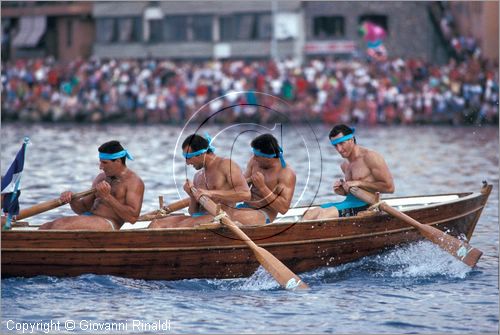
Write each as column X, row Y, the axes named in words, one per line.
column 418, row 261
column 423, row 259
column 260, row 280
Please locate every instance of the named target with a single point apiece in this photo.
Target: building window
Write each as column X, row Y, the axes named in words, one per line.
column 175, row 28
column 202, row 27
column 155, row 31
column 328, row 27
column 379, row 20
column 137, row 30
column 265, row 26
column 105, row 30
column 246, row 27
column 226, row 28
column 129, row 29
column 69, row 32
column 188, row 28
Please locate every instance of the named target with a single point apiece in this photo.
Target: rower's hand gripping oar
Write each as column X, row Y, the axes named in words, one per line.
column 283, row 275
column 461, row 250
column 165, row 210
column 48, row 205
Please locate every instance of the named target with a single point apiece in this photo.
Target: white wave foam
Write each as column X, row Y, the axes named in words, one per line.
column 260, row 280
column 423, row 259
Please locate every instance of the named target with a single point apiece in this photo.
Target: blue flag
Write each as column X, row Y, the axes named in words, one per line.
column 10, row 183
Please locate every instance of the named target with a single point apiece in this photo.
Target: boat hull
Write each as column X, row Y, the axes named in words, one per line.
column 172, row 254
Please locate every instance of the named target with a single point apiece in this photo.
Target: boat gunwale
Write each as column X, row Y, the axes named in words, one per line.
column 463, row 196
column 243, row 246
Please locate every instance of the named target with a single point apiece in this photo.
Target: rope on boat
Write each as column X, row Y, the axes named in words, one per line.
column 162, row 212
column 219, row 216
column 158, row 214
column 376, row 205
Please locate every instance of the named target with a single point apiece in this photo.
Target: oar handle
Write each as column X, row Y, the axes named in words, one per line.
column 165, row 210
column 372, row 199
column 206, row 201
column 459, row 249
column 48, row 205
column 175, row 206
column 363, row 195
column 159, row 213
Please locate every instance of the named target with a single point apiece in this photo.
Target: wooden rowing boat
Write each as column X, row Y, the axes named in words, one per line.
column 213, row 251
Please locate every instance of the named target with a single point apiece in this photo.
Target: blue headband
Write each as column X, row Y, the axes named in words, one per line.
column 280, row 155
column 116, row 155
column 202, row 151
column 343, row 138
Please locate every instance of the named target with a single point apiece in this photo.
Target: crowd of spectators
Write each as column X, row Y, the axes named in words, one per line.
column 161, row 91
column 461, row 46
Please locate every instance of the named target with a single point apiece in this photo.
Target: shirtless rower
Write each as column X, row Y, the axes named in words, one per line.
column 273, row 183
column 219, row 178
column 118, row 196
column 362, row 167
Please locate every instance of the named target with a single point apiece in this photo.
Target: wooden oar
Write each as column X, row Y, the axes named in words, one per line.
column 160, row 213
column 283, row 275
column 48, row 205
column 166, row 210
column 461, row 250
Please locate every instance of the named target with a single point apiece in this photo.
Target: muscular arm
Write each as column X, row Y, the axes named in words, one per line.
column 194, row 206
column 239, row 190
column 383, row 181
column 337, row 186
column 131, row 209
column 280, row 198
column 82, row 205
column 248, row 171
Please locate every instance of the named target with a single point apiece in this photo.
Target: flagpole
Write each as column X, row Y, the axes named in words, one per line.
column 8, row 223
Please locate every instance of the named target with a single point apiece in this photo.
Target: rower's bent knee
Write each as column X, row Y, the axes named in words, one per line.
column 153, row 224
column 46, row 226
column 311, row 214
column 49, row 225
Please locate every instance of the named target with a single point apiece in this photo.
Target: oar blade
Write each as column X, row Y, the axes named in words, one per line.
column 283, row 275
column 459, row 249
column 472, row 257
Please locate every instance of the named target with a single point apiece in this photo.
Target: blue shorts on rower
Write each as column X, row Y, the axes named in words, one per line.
column 351, row 206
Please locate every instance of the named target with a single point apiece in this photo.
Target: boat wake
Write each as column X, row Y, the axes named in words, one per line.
column 415, row 263
column 423, row 260
column 260, row 280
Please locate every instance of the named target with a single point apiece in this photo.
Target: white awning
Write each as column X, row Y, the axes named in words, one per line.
column 31, row 29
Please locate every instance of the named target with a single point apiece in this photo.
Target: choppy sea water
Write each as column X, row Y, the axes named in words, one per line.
column 413, row 289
